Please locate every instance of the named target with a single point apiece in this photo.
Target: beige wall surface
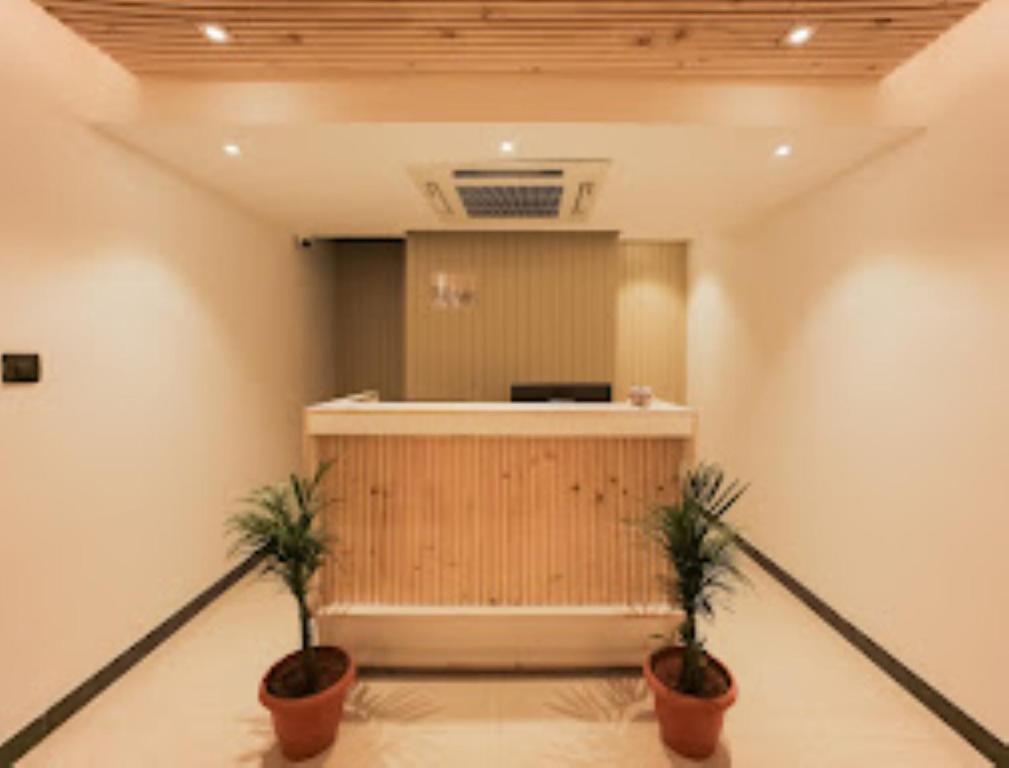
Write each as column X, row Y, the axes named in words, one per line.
column 545, row 311
column 369, row 316
column 530, row 98
column 850, row 357
column 179, row 340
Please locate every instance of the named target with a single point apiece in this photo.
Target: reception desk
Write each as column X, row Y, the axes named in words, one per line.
column 490, row 512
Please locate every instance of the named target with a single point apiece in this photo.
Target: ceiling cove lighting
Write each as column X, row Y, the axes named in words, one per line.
column 783, row 150
column 215, row 33
column 800, row 34
column 232, row 150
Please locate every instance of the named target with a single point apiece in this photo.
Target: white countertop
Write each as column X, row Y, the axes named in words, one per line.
column 345, row 404
column 353, row 417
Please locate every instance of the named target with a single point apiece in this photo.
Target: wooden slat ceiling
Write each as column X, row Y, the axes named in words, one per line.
column 303, row 39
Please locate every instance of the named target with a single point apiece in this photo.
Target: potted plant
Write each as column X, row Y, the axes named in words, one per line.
column 692, row 688
column 304, row 691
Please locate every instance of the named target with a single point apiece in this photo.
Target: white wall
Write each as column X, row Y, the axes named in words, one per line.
column 851, row 357
column 179, row 339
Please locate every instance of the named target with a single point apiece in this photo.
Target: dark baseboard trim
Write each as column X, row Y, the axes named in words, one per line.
column 34, row 732
column 983, row 740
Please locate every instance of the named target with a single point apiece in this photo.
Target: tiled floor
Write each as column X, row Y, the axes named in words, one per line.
column 806, row 699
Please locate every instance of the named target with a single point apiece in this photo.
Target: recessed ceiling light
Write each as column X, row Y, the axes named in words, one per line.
column 232, row 150
column 507, row 147
column 800, row 34
column 215, row 33
column 783, row 150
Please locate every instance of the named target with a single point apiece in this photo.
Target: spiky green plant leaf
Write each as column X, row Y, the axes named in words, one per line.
column 281, row 523
column 700, row 546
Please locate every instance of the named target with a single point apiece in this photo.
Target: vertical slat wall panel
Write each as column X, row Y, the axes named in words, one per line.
column 545, row 310
column 651, row 337
column 369, row 310
column 567, row 306
column 495, row 520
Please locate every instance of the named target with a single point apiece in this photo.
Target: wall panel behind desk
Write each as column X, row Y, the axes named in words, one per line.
column 369, row 316
column 652, row 318
column 545, row 310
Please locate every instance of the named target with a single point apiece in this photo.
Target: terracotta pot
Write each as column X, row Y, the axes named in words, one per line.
column 307, row 726
column 690, row 725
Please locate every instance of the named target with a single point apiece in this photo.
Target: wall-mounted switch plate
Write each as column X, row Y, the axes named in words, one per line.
column 21, row 368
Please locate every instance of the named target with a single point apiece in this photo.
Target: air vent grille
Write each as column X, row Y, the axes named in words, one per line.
column 511, row 202
column 512, row 194
column 508, row 173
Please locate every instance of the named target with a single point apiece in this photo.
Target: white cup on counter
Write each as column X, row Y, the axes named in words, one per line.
column 640, row 396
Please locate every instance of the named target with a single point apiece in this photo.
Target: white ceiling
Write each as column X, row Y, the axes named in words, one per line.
column 351, row 179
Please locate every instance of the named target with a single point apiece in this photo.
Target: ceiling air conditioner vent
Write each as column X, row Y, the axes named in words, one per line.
column 507, row 191
column 511, row 202
column 508, row 173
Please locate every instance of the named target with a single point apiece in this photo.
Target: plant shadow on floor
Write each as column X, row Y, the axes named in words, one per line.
column 369, row 729
column 609, row 699
column 613, row 717
column 617, row 707
column 401, row 705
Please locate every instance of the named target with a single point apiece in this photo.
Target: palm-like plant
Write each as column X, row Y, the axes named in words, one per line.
column 700, row 545
column 282, row 525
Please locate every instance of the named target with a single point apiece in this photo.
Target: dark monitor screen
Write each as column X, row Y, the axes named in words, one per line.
column 565, row 393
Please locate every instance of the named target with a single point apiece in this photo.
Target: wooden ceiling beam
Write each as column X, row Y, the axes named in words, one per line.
column 292, row 38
